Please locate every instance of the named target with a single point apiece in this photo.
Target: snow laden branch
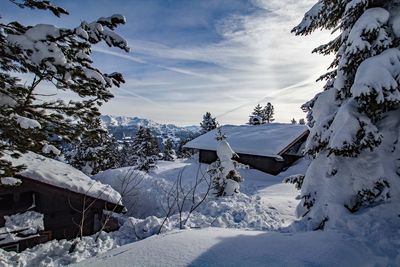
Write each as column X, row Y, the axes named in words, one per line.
column 60, row 60
column 354, row 122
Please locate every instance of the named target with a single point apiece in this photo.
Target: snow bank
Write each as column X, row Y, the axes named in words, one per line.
column 233, row 247
column 263, row 140
column 30, row 222
column 62, row 175
column 56, row 252
column 27, row 223
column 142, row 193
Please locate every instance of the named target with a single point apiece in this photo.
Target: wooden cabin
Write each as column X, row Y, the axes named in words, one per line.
column 270, row 148
column 62, row 194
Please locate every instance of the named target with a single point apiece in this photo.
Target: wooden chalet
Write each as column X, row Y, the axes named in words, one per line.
column 270, row 148
column 62, row 194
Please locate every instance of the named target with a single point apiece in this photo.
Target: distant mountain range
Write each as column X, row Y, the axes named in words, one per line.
column 122, row 127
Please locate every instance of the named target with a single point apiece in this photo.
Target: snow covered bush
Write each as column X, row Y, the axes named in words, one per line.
column 354, row 123
column 36, row 119
column 223, row 172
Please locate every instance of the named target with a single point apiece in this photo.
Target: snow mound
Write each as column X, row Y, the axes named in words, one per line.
column 27, row 224
column 142, row 193
column 234, row 247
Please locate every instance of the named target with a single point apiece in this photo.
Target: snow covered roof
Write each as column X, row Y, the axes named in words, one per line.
column 59, row 174
column 267, row 140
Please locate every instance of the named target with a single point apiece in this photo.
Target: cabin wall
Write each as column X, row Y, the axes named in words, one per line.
column 61, row 209
column 266, row 164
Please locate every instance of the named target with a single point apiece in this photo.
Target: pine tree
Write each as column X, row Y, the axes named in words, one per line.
column 268, row 113
column 146, row 150
column 262, row 115
column 256, row 117
column 293, row 121
column 169, row 153
column 127, row 154
column 55, row 56
column 209, row 123
column 96, row 151
column 302, row 121
column 258, row 111
column 182, row 152
column 354, row 135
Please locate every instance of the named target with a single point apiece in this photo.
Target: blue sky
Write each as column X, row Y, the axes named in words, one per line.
column 189, row 57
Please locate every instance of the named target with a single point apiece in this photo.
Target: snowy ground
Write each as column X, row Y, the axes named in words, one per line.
column 235, row 247
column 249, row 229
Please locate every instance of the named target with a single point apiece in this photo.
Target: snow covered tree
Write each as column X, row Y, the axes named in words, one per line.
column 256, row 117
column 355, row 120
column 182, row 152
column 293, row 121
column 209, row 123
column 96, row 151
column 268, row 113
column 169, row 152
column 258, row 111
column 146, row 150
column 32, row 117
column 262, row 115
column 223, row 172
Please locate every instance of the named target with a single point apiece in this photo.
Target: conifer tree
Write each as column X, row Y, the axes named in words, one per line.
column 256, row 116
column 37, row 121
column 169, row 152
column 146, row 150
column 262, row 115
column 268, row 113
column 258, row 111
column 96, row 151
column 127, row 154
column 302, row 121
column 209, row 123
column 293, row 121
column 355, row 122
column 181, row 152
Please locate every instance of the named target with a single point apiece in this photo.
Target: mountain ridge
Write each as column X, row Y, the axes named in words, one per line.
column 122, row 127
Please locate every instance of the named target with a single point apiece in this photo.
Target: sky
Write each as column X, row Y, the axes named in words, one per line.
column 192, row 56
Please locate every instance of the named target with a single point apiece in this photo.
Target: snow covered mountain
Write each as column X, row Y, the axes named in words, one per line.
column 122, row 126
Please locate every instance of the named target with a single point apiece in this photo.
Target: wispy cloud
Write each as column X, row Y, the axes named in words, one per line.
column 189, row 57
column 172, row 69
column 257, row 56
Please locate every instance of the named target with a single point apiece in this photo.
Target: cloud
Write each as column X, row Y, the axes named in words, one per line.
column 172, row 69
column 258, row 57
column 219, row 56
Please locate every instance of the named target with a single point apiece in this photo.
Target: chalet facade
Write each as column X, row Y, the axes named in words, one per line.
column 63, row 195
column 270, row 148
